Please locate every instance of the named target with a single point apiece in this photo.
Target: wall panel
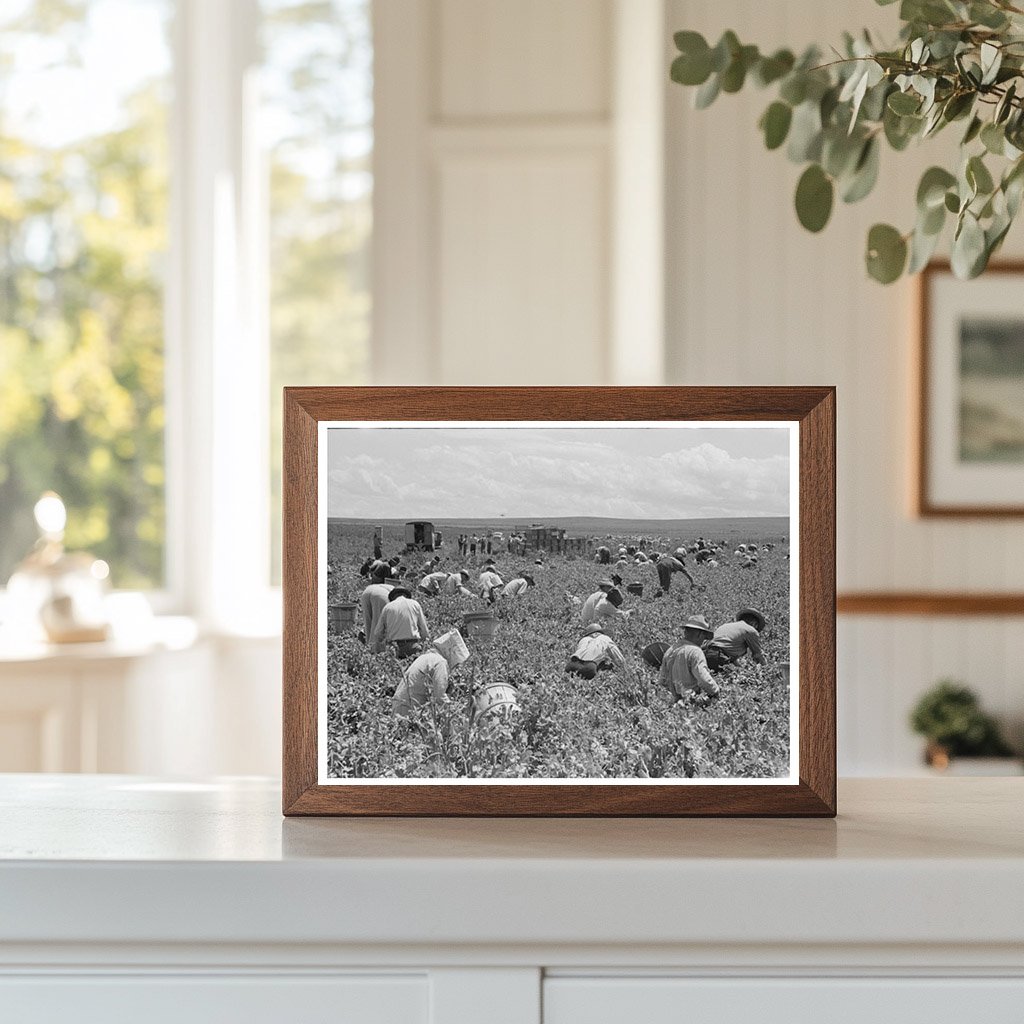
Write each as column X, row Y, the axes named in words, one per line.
column 754, row 299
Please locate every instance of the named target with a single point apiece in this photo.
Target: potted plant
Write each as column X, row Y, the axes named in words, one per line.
column 950, row 717
column 956, row 62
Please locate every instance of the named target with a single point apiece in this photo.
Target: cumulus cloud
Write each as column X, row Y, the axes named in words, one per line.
column 451, row 473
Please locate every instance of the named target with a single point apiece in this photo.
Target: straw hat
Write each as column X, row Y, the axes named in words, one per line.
column 452, row 647
column 751, row 613
column 605, row 584
column 594, row 627
column 700, row 623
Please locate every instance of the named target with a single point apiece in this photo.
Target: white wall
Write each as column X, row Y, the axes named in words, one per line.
column 754, row 299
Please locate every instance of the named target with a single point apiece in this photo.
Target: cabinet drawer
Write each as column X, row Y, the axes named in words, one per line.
column 205, row 999
column 624, row 1000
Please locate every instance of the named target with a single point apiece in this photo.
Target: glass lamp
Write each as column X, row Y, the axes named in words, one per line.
column 54, row 595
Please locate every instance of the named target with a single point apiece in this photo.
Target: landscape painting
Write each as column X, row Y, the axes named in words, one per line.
column 991, row 390
column 575, row 602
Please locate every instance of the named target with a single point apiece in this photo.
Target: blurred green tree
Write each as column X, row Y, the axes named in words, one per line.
column 83, row 218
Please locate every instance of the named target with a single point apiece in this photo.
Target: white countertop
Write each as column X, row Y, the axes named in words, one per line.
column 124, row 859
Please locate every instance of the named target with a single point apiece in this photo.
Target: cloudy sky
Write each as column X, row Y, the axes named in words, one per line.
column 622, row 472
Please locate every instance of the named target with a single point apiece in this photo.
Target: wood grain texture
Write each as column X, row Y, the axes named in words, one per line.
column 924, row 603
column 812, row 407
column 924, row 505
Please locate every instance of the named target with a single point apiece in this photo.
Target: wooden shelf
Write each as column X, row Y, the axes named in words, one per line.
column 928, row 603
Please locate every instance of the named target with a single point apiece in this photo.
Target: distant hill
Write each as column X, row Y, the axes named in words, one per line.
column 750, row 527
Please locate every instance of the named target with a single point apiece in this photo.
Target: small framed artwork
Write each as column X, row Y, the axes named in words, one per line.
column 970, row 450
column 559, row 601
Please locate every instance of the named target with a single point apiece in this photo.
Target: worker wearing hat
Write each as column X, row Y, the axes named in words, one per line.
column 667, row 565
column 596, row 650
column 455, row 583
column 733, row 640
column 684, row 668
column 490, row 583
column 519, row 585
column 372, row 602
column 401, row 623
column 604, row 604
column 426, row 678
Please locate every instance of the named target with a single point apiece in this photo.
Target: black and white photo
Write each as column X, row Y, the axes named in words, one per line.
column 535, row 602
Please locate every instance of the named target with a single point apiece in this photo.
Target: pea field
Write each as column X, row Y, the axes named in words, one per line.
column 616, row 726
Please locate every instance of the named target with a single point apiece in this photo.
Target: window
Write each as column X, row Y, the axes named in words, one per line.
column 83, row 236
column 317, row 116
column 167, row 264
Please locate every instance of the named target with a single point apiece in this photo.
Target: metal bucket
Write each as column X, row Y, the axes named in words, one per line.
column 635, row 588
column 342, row 616
column 480, row 625
column 495, row 699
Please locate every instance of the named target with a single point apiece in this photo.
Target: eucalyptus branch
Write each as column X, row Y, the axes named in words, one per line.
column 834, row 116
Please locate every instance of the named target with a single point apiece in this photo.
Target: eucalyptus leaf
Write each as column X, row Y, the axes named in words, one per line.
column 991, row 60
column 904, row 103
column 1005, row 105
column 865, row 173
column 968, row 248
column 886, row 253
column 952, row 202
column 993, row 138
column 922, row 248
column 805, row 133
column 707, row 93
column 771, row 69
column 987, row 15
column 735, row 74
column 931, row 190
column 973, row 130
column 775, row 124
column 978, row 176
column 814, row 196
column 724, row 51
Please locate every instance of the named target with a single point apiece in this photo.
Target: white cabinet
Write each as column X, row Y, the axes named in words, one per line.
column 132, row 899
column 828, row 1000
column 202, row 999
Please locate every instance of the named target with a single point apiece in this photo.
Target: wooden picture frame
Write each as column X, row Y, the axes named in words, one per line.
column 810, row 788
column 946, row 484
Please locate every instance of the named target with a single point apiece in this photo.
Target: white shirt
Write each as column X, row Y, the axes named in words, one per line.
column 600, row 647
column 401, row 619
column 425, row 679
column 488, row 580
column 514, row 588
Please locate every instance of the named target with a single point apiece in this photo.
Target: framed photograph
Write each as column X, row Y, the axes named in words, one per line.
column 970, row 451
column 559, row 601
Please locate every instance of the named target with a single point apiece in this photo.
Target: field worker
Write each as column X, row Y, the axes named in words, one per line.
column 667, row 565
column 684, row 669
column 426, row 678
column 602, row 555
column 455, row 583
column 372, row 602
column 401, row 623
column 607, row 607
column 431, row 565
column 733, row 640
column 595, row 651
column 587, row 615
column 490, row 582
column 517, row 586
column 431, row 583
